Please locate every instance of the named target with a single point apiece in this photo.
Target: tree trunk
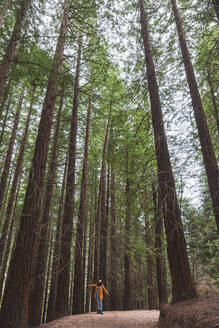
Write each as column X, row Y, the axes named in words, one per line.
column 5, row 119
column 209, row 157
column 78, row 274
column 161, row 268
column 9, row 244
column 4, row 177
column 214, row 102
column 56, row 253
column 37, row 289
column 151, row 286
column 3, row 10
column 113, row 246
column 90, row 262
column 14, row 311
column 15, row 183
column 103, row 214
column 182, row 283
column 63, row 285
column 216, row 7
column 14, row 40
column 127, row 280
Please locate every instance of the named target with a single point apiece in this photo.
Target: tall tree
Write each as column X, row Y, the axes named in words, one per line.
column 56, row 253
column 63, row 284
column 127, row 278
column 14, row 311
column 209, row 157
column 161, row 268
column 182, row 282
column 78, row 291
column 37, row 290
column 13, row 42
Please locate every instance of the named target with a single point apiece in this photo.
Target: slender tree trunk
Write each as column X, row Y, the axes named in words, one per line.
column 3, row 10
column 103, row 214
column 90, row 261
column 56, row 254
column 9, row 247
column 63, row 285
column 14, row 311
column 47, row 275
column 5, row 97
column 78, row 274
column 214, row 102
column 37, row 290
column 161, row 268
column 151, row 286
column 127, row 281
column 113, row 246
column 216, row 7
column 5, row 119
column 14, row 40
column 15, row 182
column 209, row 157
column 182, row 282
column 4, row 177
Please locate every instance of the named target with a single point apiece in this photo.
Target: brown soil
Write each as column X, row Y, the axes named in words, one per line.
column 114, row 319
column 196, row 313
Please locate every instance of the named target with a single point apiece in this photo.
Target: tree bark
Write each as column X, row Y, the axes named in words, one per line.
column 5, row 119
column 37, row 289
column 56, row 253
column 63, row 285
column 182, row 282
column 151, row 286
column 82, row 213
column 4, row 177
column 14, row 40
column 161, row 268
column 3, row 10
column 209, row 157
column 127, row 280
column 113, row 245
column 14, row 311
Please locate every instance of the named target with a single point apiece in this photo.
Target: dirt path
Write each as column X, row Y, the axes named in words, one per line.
column 114, row 319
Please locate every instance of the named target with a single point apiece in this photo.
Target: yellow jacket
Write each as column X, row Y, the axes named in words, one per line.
column 101, row 289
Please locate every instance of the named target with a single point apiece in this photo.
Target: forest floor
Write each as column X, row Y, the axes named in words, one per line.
column 114, row 319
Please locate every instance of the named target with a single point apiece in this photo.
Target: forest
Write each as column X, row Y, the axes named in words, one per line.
column 109, row 148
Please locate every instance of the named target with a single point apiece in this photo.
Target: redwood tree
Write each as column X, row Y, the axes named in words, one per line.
column 209, row 157
column 14, row 311
column 182, row 282
column 78, row 291
column 63, row 283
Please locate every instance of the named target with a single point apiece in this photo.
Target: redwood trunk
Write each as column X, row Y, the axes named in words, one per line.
column 14, row 40
column 209, row 157
column 37, row 290
column 127, row 280
column 4, row 177
column 161, row 267
column 182, row 282
column 56, row 254
column 78, row 290
column 114, row 297
column 14, row 311
column 63, row 284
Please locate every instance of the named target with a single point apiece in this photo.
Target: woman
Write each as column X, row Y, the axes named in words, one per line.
column 98, row 294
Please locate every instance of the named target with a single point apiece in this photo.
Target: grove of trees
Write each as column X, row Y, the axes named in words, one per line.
column 109, row 147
